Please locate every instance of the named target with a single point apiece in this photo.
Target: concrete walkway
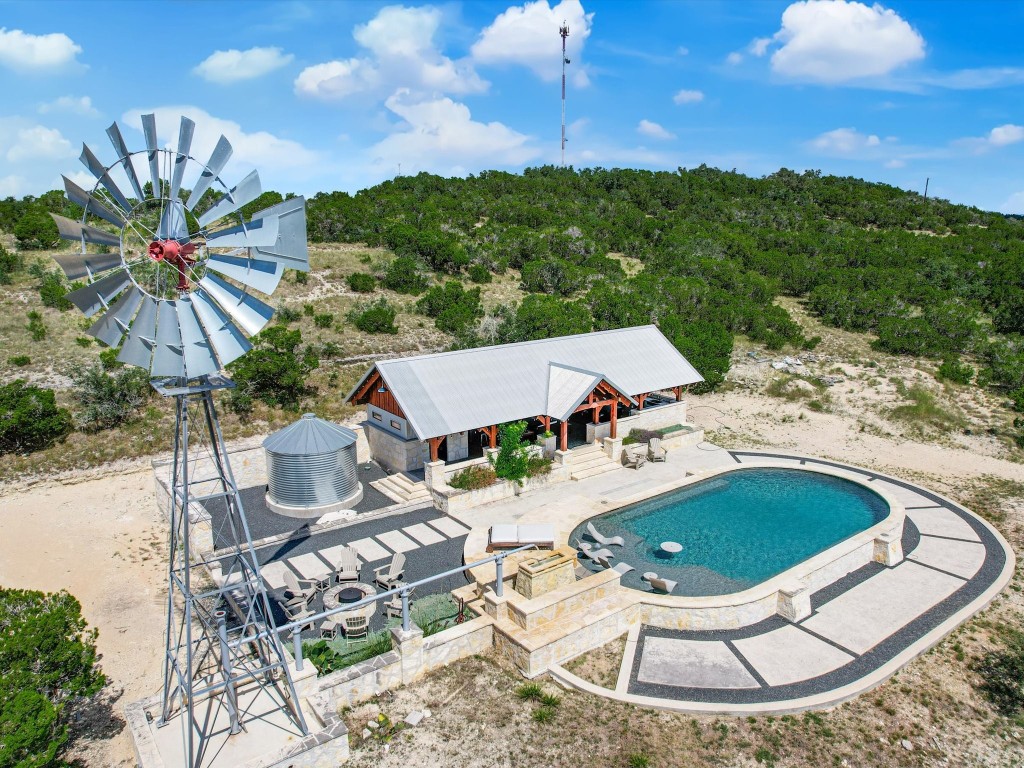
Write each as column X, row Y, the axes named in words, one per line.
column 862, row 629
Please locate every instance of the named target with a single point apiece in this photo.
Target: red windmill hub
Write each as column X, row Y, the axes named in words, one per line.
column 173, row 252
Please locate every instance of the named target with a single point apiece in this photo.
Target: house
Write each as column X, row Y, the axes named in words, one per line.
column 449, row 405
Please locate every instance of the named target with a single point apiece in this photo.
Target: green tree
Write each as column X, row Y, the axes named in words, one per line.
column 48, row 660
column 376, row 317
column 53, row 290
column 543, row 317
column 273, row 371
column 513, row 459
column 29, row 418
column 453, row 308
column 403, row 276
column 708, row 347
column 35, row 230
column 108, row 399
column 10, row 262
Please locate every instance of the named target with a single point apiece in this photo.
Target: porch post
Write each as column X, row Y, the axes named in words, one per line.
column 640, row 400
column 563, row 436
column 615, row 421
column 597, row 414
column 435, row 445
column 678, row 392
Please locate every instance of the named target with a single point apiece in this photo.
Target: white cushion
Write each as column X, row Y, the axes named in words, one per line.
column 504, row 533
column 537, row 533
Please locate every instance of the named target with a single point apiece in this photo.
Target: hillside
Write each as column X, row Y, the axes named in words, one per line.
column 709, row 256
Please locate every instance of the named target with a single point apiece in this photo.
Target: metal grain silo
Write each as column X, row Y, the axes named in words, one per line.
column 311, row 468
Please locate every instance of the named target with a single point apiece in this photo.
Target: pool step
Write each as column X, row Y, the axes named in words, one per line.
column 402, row 488
column 590, row 462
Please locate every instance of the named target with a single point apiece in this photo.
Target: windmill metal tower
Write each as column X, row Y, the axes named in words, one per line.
column 170, row 281
column 564, row 32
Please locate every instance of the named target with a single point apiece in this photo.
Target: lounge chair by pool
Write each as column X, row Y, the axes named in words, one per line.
column 620, row 568
column 604, row 541
column 662, row 585
column 590, row 553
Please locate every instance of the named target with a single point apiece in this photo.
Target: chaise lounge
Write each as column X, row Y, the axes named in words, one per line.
column 510, row 536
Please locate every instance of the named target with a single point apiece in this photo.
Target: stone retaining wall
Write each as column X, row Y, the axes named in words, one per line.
column 655, row 417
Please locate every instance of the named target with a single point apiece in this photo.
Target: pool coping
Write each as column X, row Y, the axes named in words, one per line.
column 838, row 694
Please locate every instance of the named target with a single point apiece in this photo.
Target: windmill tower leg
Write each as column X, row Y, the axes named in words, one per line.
column 221, row 637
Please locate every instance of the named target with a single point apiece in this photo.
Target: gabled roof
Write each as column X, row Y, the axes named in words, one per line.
column 568, row 387
column 450, row 392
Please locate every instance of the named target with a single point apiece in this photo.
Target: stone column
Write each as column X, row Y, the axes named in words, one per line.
column 889, row 548
column 433, row 474
column 613, row 448
column 794, row 601
column 563, row 458
column 410, row 647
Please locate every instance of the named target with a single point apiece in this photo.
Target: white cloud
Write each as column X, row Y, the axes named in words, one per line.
column 653, row 130
column 1013, row 204
column 402, row 53
column 896, row 162
column 70, row 105
column 688, row 97
column 734, row 58
column 1000, row 136
column 258, row 149
column 527, row 35
column 759, row 46
column 13, row 186
column 440, row 135
column 834, row 41
column 23, row 51
column 844, row 141
column 39, row 143
column 232, row 66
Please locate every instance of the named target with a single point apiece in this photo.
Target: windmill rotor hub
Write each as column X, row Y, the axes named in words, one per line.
column 181, row 256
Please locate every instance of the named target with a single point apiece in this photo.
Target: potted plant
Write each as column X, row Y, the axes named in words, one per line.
column 548, row 442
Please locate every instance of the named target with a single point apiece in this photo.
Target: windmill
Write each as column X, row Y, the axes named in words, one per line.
column 169, row 281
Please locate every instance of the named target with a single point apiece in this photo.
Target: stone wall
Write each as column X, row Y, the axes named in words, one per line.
column 655, row 417
column 393, row 452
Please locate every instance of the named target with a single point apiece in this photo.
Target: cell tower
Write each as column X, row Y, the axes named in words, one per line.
column 564, row 32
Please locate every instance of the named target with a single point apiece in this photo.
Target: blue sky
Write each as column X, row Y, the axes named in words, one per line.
column 321, row 96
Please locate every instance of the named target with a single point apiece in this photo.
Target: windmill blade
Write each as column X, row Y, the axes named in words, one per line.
column 149, row 129
column 114, row 324
column 97, row 169
column 229, row 342
column 117, row 141
column 69, row 229
column 172, row 223
column 196, row 348
column 96, row 296
column 168, row 359
column 181, row 159
column 84, row 265
column 243, row 193
column 138, row 347
column 91, row 205
column 291, row 249
column 259, row 233
column 248, row 311
column 218, row 159
column 254, row 273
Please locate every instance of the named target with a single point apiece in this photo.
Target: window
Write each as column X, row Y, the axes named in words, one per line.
column 377, row 416
column 395, row 424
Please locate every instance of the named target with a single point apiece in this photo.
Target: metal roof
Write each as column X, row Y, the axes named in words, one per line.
column 450, row 392
column 309, row 436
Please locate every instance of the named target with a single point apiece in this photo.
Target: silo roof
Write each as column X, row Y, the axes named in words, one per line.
column 309, row 436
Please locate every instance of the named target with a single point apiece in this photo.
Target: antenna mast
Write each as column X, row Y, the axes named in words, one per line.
column 564, row 32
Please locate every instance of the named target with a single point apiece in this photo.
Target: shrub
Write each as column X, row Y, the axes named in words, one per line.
column 472, row 478
column 83, row 341
column 530, row 691
column 452, row 307
column 30, row 419
column 109, row 399
column 378, row 317
column 403, row 276
column 47, row 663
column 9, row 264
column 286, row 315
column 108, row 359
column 308, row 310
column 301, row 278
column 36, row 230
column 53, row 291
column 360, row 282
column 323, row 320
column 543, row 715
column 513, row 459
column 326, row 658
column 1002, row 672
column 35, row 326
column 274, row 371
column 538, row 465
column 19, row 360
column 953, row 370
column 478, row 273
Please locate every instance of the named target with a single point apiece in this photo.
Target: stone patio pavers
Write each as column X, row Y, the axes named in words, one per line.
column 961, row 558
column 789, row 655
column 369, row 550
column 879, row 607
column 692, row 664
column 938, row 521
column 273, row 574
column 396, row 541
column 903, row 495
column 448, row 527
column 423, row 533
column 309, row 565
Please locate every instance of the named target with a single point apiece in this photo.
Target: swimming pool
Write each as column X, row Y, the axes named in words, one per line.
column 738, row 528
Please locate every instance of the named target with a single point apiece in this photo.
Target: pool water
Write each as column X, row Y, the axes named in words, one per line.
column 737, row 529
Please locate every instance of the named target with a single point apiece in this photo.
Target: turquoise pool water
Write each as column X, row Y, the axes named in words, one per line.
column 737, row 529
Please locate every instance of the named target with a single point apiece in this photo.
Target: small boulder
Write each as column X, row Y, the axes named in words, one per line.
column 413, row 718
column 907, row 745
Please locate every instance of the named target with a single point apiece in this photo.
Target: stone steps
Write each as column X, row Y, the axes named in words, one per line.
column 590, row 462
column 402, row 488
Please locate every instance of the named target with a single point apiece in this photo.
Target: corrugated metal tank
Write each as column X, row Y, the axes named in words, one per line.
column 311, row 463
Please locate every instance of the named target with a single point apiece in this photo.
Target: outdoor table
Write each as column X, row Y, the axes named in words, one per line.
column 650, row 575
column 672, row 547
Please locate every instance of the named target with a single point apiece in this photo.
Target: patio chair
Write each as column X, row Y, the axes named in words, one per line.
column 604, row 541
column 620, row 568
column 393, row 607
column 297, row 614
column 633, row 459
column 348, row 568
column 654, row 450
column 356, row 628
column 662, row 585
column 295, row 587
column 590, row 553
column 388, row 575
